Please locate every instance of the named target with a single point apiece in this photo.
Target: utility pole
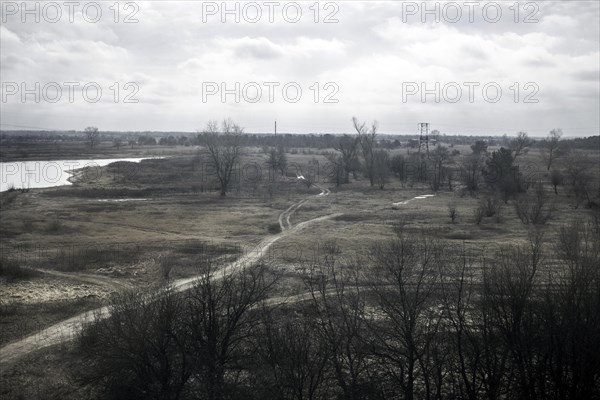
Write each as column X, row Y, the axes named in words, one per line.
column 275, row 127
column 424, row 136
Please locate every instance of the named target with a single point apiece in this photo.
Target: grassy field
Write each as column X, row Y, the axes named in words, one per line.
column 67, row 249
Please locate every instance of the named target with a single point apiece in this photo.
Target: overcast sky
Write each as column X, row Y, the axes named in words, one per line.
column 374, row 61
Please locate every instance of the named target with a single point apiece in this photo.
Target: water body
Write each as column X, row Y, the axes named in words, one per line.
column 45, row 174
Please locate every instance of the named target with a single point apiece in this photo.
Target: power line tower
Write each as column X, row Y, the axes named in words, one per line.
column 424, row 136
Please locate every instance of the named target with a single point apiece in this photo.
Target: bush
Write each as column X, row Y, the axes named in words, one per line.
column 171, row 346
column 330, row 247
column 165, row 264
column 557, row 179
column 54, row 226
column 490, row 206
column 11, row 270
column 136, row 353
column 274, row 228
column 534, row 209
column 8, row 197
column 452, row 211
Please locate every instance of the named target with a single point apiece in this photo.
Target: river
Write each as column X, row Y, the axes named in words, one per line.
column 45, row 174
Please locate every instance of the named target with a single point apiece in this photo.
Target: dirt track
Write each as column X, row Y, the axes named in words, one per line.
column 68, row 329
column 111, row 283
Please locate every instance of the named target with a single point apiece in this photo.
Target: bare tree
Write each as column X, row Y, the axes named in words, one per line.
column 92, row 135
column 520, row 144
column 367, row 144
column 551, row 147
column 439, row 156
column 224, row 149
column 509, row 294
column 273, row 160
column 140, row 350
column 220, row 319
column 581, row 183
column 336, row 172
column 277, row 160
column 471, row 171
column 534, row 209
column 490, row 205
column 347, row 160
column 571, row 313
column 398, row 166
column 381, row 168
column 282, row 161
column 467, row 328
column 293, row 361
column 339, row 309
column 408, row 268
column 117, row 142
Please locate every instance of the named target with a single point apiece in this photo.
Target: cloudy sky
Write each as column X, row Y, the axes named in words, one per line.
column 483, row 68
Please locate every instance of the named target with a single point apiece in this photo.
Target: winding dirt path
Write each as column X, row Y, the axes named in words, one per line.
column 68, row 329
column 89, row 278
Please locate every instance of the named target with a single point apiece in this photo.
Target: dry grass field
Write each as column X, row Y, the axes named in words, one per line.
column 69, row 249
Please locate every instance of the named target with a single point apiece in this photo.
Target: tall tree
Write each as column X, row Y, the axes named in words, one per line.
column 220, row 319
column 439, row 156
column 281, row 160
column 347, row 161
column 92, row 135
column 520, row 144
column 140, row 350
column 479, row 148
column 339, row 307
column 381, row 167
column 367, row 143
column 224, row 148
column 551, row 147
column 278, row 160
column 407, row 270
column 501, row 174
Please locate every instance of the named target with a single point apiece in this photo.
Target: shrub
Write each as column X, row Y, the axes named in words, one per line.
column 11, row 270
column 534, row 209
column 490, row 206
column 8, row 197
column 54, row 226
column 478, row 214
column 330, row 247
column 557, row 179
column 452, row 211
column 165, row 264
column 136, row 353
column 274, row 228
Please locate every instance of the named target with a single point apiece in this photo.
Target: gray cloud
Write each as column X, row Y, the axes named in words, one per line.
column 369, row 54
column 588, row 76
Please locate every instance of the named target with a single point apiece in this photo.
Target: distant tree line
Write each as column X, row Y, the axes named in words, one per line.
column 287, row 140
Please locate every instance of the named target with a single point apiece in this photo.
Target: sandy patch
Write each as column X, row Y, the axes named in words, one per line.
column 49, row 289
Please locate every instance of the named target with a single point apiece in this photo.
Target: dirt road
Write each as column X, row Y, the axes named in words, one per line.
column 103, row 281
column 68, row 329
